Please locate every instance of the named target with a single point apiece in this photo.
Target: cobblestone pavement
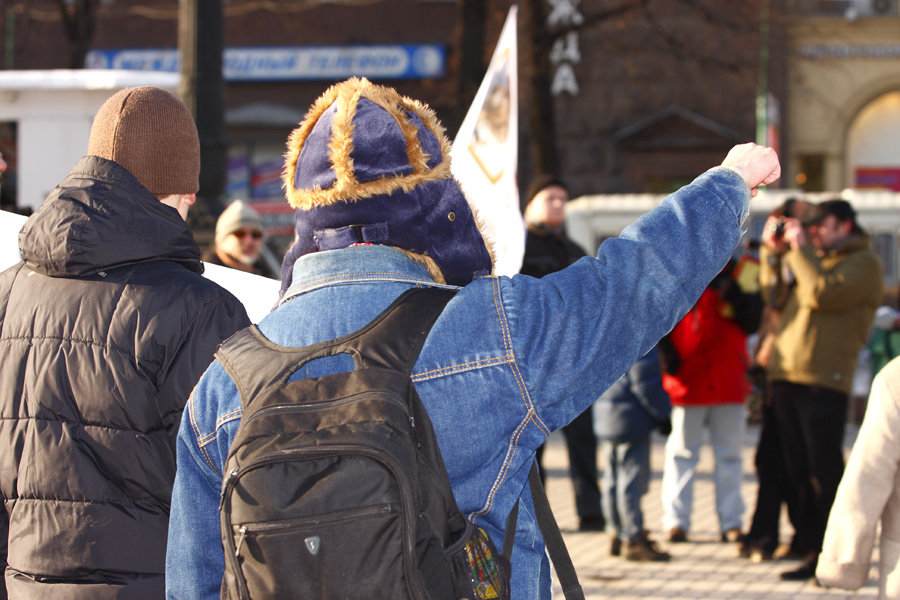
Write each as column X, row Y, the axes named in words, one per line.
column 703, row 567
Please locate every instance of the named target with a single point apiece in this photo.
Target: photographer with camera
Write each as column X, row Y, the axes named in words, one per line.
column 825, row 320
column 762, row 539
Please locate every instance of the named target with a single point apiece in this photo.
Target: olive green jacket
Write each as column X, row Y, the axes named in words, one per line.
column 825, row 314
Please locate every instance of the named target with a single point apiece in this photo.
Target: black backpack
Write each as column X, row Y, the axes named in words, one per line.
column 334, row 486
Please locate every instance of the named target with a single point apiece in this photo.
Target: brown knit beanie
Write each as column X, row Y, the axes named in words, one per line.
column 151, row 133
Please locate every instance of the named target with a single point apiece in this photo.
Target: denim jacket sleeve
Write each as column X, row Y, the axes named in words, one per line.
column 577, row 331
column 194, row 556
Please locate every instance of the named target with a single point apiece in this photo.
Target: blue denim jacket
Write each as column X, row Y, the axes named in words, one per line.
column 508, row 361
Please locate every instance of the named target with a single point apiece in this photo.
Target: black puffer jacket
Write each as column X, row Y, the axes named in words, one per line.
column 104, row 331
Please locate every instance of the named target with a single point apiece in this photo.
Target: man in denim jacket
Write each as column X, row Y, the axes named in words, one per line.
column 508, row 361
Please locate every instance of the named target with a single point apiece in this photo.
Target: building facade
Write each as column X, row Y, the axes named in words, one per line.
column 844, row 95
column 644, row 95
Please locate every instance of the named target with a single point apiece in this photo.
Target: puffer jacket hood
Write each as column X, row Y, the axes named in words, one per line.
column 100, row 217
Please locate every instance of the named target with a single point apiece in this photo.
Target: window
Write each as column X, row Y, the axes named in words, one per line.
column 810, row 172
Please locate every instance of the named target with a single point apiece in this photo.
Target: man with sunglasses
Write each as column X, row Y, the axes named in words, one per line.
column 238, row 242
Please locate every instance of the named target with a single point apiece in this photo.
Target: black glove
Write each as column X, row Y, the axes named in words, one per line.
column 665, row 427
column 669, row 360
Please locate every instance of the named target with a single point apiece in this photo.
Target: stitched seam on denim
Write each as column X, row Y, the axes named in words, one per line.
column 511, row 450
column 504, row 469
column 208, row 439
column 197, row 436
column 235, row 414
column 468, row 366
column 206, row 456
column 530, row 414
column 309, row 286
column 204, row 439
column 513, row 365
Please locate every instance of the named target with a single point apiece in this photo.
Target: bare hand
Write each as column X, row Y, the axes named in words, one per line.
column 794, row 233
column 757, row 165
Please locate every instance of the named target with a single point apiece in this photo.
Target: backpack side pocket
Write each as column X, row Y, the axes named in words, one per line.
column 479, row 571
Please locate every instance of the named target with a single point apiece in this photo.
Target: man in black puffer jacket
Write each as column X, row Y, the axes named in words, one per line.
column 105, row 328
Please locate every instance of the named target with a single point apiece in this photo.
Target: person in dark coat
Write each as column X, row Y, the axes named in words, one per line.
column 625, row 416
column 105, row 327
column 548, row 250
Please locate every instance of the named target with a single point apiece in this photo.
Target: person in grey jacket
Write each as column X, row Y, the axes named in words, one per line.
column 105, row 328
column 624, row 418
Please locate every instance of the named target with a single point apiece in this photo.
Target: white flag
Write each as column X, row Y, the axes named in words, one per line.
column 485, row 154
column 257, row 294
column 10, row 224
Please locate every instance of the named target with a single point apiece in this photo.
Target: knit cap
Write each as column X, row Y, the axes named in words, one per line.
column 369, row 166
column 238, row 215
column 539, row 183
column 151, row 133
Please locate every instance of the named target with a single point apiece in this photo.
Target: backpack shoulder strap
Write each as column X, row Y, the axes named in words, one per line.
column 553, row 539
column 253, row 362
column 392, row 340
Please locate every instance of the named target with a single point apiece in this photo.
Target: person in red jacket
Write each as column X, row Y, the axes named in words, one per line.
column 704, row 360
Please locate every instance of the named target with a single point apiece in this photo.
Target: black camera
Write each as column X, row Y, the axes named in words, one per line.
column 778, row 229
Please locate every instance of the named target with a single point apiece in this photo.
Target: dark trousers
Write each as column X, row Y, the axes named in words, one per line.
column 582, row 446
column 810, row 423
column 773, row 489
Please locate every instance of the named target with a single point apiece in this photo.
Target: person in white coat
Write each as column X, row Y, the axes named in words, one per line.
column 869, row 493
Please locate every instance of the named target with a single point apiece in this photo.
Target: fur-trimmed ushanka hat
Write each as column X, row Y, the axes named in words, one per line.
column 367, row 165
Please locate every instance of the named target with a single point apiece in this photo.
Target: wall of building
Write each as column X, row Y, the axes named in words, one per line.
column 622, row 66
column 611, row 68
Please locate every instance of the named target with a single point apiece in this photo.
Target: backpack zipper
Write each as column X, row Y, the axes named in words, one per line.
column 349, row 514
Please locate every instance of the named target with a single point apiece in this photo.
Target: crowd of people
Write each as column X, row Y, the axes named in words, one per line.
column 116, row 421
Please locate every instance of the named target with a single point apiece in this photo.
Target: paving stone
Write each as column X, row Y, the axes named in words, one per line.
column 700, row 568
